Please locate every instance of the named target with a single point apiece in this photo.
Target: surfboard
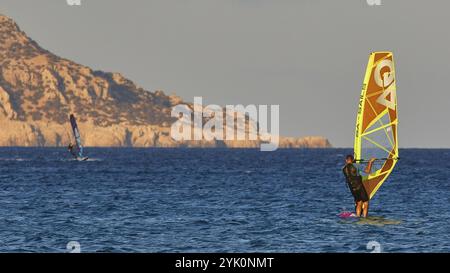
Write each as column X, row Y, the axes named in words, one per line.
column 376, row 122
column 350, row 217
column 377, row 221
column 346, row 215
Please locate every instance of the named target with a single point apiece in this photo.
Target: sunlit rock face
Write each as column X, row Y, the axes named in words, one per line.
column 38, row 91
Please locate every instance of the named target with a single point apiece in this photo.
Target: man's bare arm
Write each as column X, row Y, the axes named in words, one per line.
column 369, row 166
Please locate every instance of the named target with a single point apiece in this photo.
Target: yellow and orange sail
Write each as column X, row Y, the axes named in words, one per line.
column 377, row 122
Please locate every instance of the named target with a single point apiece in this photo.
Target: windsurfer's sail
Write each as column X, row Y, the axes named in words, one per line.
column 376, row 124
column 76, row 134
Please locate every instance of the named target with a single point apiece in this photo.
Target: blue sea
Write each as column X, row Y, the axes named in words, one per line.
column 214, row 200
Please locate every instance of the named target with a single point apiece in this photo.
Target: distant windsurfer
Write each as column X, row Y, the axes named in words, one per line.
column 72, row 151
column 76, row 149
column 355, row 183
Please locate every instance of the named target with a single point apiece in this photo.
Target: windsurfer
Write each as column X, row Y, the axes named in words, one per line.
column 71, row 149
column 355, row 183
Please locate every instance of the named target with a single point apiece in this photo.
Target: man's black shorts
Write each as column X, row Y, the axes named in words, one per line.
column 358, row 191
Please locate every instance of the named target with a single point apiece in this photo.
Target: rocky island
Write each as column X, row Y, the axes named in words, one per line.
column 38, row 91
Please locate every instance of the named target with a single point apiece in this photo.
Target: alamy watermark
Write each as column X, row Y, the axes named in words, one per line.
column 73, row 2
column 374, row 2
column 234, row 123
column 73, row 247
column 374, row 246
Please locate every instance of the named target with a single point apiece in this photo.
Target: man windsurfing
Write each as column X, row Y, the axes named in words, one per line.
column 76, row 149
column 72, row 151
column 355, row 184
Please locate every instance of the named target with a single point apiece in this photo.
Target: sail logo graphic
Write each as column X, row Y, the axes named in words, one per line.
column 385, row 81
column 374, row 2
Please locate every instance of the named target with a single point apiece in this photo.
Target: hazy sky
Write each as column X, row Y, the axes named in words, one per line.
column 308, row 56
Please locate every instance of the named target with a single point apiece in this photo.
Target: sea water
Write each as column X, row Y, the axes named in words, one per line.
column 216, row 200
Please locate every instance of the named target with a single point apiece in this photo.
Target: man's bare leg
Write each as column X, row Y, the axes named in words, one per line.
column 365, row 209
column 358, row 208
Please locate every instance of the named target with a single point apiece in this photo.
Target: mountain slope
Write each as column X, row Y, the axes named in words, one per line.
column 38, row 90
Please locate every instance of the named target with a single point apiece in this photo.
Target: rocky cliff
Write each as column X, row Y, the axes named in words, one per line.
column 38, row 91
